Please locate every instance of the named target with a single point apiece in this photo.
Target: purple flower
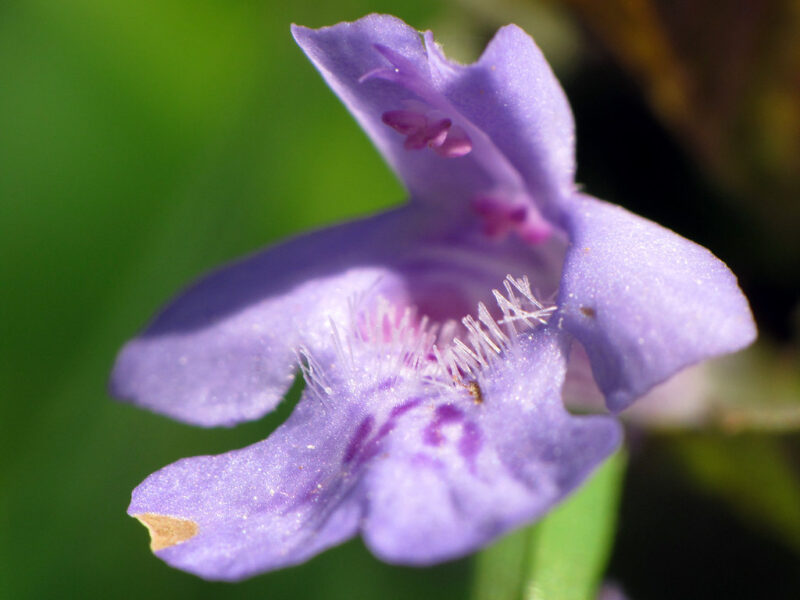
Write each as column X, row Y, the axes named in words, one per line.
column 426, row 445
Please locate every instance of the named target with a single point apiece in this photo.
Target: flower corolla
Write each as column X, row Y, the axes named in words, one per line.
column 428, row 431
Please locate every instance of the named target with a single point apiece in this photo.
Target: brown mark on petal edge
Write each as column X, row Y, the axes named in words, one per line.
column 589, row 311
column 167, row 531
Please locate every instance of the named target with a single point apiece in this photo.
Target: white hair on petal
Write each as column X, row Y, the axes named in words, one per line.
column 485, row 339
column 383, row 343
column 313, row 373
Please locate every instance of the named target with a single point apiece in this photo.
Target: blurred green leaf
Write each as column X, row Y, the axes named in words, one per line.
column 572, row 546
column 564, row 556
column 754, row 474
column 757, row 390
column 141, row 144
column 499, row 570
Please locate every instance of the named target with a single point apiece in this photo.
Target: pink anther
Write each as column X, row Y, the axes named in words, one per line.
column 424, row 129
column 455, row 144
column 433, row 135
column 406, row 122
column 502, row 216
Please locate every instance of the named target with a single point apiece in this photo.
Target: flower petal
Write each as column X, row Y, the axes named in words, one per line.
column 684, row 400
column 512, row 95
column 224, row 351
column 344, row 54
column 426, row 472
column 643, row 301
column 490, row 467
column 512, row 130
column 270, row 505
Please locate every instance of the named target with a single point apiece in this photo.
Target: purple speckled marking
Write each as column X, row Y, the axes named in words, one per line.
column 395, row 414
column 432, row 436
column 362, row 431
column 385, row 430
column 446, row 413
column 371, row 448
column 403, row 408
column 471, row 440
column 470, row 443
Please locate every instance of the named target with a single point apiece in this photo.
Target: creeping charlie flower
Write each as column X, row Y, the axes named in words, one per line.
column 432, row 419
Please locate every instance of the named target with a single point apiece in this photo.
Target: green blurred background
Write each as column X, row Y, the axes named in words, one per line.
column 142, row 143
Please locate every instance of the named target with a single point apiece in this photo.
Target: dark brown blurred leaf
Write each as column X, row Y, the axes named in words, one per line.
column 725, row 77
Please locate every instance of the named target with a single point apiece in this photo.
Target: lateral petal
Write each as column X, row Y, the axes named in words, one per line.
column 644, row 301
column 270, row 505
column 224, row 351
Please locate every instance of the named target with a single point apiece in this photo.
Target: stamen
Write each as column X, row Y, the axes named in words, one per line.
column 420, row 124
column 380, row 73
column 433, row 134
column 504, row 213
column 462, row 137
column 406, row 122
column 424, row 128
column 455, row 144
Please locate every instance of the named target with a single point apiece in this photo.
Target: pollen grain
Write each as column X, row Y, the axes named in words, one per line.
column 475, row 391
